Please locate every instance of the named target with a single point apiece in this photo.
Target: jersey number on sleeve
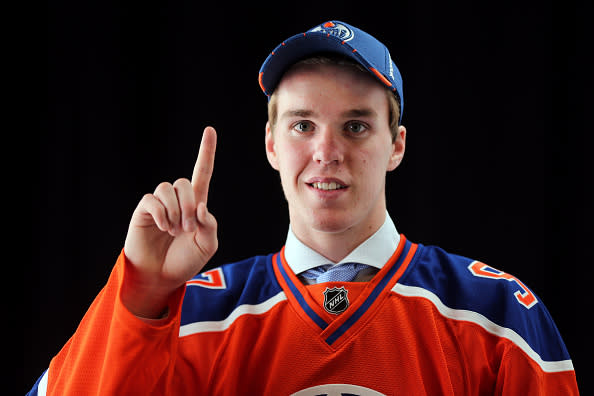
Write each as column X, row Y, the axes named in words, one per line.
column 213, row 279
column 524, row 295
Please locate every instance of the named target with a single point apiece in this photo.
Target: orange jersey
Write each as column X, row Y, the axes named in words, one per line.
column 429, row 323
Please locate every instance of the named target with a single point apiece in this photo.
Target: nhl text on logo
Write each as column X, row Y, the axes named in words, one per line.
column 336, row 300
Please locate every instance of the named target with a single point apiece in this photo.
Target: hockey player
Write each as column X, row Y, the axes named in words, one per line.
column 347, row 306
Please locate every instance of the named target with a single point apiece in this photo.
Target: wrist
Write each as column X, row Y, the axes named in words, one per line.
column 144, row 303
column 144, row 296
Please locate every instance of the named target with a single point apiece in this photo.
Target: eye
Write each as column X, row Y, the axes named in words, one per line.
column 356, row 127
column 303, row 126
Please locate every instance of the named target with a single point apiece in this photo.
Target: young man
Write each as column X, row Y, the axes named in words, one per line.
column 348, row 306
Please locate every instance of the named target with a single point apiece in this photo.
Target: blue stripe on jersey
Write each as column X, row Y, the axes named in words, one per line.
column 250, row 281
column 34, row 391
column 310, row 312
column 372, row 297
column 449, row 278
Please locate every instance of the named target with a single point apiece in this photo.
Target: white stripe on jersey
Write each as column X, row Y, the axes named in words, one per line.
column 489, row 326
column 42, row 388
column 257, row 309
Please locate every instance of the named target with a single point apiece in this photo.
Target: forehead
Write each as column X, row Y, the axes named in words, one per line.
column 329, row 87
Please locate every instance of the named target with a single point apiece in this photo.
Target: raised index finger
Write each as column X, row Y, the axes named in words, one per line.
column 204, row 165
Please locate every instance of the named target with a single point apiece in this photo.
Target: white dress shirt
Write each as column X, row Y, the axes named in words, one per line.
column 375, row 252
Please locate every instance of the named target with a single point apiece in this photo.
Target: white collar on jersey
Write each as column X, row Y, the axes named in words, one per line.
column 375, row 251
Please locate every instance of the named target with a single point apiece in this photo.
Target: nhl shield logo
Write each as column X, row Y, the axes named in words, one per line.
column 336, row 300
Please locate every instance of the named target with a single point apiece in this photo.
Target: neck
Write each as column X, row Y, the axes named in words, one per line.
column 336, row 244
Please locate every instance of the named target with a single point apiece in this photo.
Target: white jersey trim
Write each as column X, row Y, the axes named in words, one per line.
column 42, row 387
column 489, row 326
column 222, row 325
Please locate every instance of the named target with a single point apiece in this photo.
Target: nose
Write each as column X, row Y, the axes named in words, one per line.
column 328, row 149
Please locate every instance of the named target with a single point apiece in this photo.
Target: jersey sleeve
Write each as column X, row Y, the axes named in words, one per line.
column 521, row 375
column 103, row 355
column 526, row 354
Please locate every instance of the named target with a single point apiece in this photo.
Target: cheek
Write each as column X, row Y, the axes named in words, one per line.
column 372, row 166
column 292, row 160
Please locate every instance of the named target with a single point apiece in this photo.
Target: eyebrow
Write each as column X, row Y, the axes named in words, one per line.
column 353, row 113
column 297, row 113
column 356, row 113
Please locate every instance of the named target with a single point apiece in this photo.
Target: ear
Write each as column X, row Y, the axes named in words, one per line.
column 398, row 147
column 271, row 153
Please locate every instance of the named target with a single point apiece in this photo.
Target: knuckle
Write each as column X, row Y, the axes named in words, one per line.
column 163, row 186
column 146, row 201
column 185, row 195
column 181, row 182
column 146, row 197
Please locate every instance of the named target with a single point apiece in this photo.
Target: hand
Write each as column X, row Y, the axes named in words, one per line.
column 171, row 237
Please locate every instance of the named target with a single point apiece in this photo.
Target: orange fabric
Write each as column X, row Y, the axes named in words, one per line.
column 401, row 346
column 429, row 356
column 104, row 355
column 521, row 375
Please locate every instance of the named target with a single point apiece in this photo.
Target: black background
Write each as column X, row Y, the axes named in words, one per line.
column 497, row 104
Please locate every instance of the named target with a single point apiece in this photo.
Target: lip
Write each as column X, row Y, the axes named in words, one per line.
column 326, row 180
column 327, row 194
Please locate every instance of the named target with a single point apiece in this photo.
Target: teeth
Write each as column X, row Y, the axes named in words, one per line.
column 327, row 186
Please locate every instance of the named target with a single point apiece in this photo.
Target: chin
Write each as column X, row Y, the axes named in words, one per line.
column 331, row 221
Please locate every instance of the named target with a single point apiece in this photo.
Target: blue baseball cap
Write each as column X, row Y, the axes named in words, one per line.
column 337, row 37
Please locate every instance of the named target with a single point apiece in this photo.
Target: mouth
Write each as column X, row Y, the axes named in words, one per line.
column 326, row 184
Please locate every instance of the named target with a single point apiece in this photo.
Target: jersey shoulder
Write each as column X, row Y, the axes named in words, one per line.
column 213, row 294
column 499, row 301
